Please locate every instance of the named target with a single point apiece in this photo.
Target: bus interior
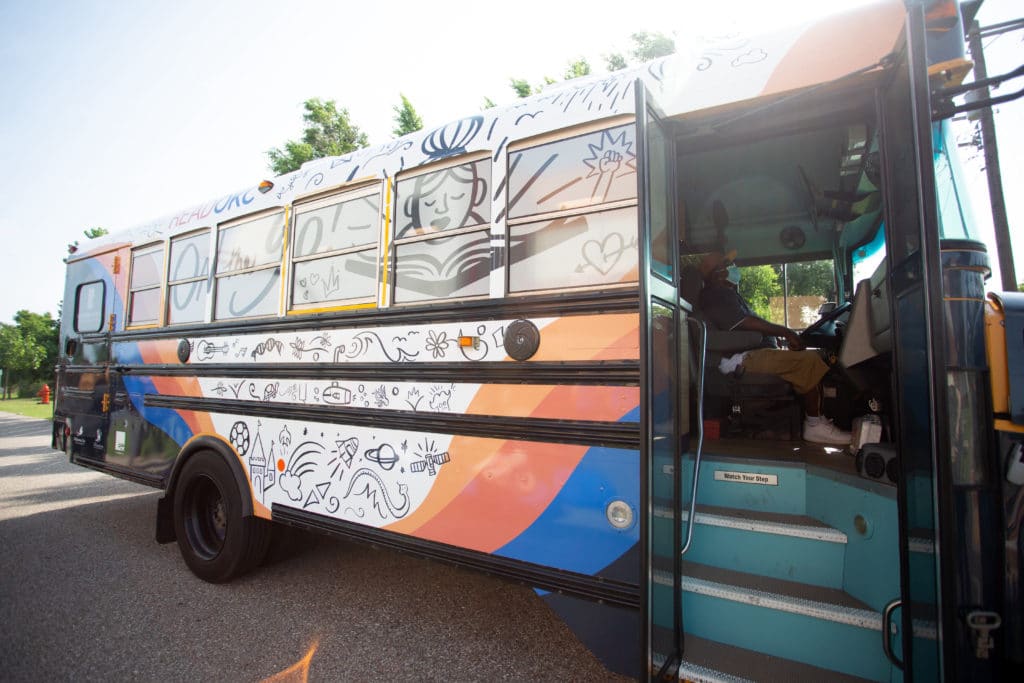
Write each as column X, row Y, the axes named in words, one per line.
column 800, row 202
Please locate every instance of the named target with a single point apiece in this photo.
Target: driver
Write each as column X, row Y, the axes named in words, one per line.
column 725, row 308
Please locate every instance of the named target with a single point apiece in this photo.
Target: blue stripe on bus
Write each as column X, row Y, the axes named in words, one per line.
column 164, row 419
column 573, row 533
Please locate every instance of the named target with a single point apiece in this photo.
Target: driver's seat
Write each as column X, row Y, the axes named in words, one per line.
column 751, row 402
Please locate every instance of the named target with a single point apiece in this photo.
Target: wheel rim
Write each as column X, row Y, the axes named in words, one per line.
column 205, row 518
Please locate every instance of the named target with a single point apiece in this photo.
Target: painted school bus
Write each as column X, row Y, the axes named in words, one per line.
column 478, row 343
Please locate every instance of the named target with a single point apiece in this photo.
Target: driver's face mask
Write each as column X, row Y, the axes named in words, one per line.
column 733, row 274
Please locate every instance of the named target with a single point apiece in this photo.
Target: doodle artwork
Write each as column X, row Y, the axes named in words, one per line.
column 432, row 203
column 329, row 473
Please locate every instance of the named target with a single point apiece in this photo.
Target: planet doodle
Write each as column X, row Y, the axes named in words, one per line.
column 385, row 456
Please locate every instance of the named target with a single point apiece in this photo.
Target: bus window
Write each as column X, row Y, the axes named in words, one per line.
column 454, row 201
column 248, row 274
column 187, row 281
column 572, row 212
column 89, row 307
column 334, row 255
column 867, row 257
column 789, row 294
column 144, row 289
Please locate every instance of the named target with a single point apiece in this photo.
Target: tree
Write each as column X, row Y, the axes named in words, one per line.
column 406, row 119
column 43, row 330
column 328, row 132
column 521, row 87
column 813, row 278
column 18, row 354
column 615, row 61
column 488, row 103
column 648, row 46
column 91, row 233
column 577, row 68
column 758, row 285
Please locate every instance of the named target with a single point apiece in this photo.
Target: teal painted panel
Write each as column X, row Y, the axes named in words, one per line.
column 814, row 562
column 872, row 566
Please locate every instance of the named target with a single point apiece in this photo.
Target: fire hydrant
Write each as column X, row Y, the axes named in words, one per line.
column 44, row 394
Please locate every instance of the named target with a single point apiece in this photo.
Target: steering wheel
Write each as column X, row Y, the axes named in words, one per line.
column 819, row 325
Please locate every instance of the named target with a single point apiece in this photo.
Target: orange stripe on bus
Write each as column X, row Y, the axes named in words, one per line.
column 511, row 491
column 475, row 460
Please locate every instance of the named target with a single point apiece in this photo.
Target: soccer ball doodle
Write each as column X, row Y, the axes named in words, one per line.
column 239, row 437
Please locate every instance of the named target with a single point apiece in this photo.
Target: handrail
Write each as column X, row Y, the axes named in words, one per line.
column 700, row 433
column 886, row 634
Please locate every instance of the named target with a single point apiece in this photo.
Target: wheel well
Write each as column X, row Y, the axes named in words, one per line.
column 165, row 507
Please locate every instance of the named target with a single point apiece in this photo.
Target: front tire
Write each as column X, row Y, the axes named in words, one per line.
column 216, row 541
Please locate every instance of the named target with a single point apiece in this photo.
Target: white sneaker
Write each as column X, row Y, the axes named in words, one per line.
column 825, row 432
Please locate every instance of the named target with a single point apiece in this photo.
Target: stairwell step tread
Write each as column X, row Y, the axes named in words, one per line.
column 780, row 517
column 703, row 658
column 766, row 584
column 814, row 602
column 767, row 522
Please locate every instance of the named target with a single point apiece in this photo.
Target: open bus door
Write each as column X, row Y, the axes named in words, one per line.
column 663, row 389
column 942, row 537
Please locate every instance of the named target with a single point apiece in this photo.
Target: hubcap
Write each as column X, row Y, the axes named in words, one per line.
column 206, row 519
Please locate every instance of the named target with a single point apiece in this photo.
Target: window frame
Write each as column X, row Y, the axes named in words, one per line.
column 279, row 263
column 511, row 222
column 145, row 250
column 396, row 242
column 320, row 201
column 211, row 254
column 78, row 304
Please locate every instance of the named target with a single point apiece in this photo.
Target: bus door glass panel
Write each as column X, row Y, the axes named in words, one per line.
column 144, row 289
column 248, row 273
column 918, row 355
column 664, row 385
column 188, row 279
column 335, row 250
column 572, row 212
column 442, row 233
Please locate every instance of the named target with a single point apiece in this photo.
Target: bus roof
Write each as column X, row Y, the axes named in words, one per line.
column 725, row 70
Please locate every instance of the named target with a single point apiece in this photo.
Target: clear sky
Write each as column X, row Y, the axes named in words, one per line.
column 117, row 112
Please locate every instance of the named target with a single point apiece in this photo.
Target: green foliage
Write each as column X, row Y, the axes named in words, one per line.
column 406, row 119
column 577, row 68
column 521, row 87
column 20, row 353
column 328, row 132
column 615, row 61
column 93, row 233
column 489, row 103
column 813, row 278
column 758, row 284
column 648, row 46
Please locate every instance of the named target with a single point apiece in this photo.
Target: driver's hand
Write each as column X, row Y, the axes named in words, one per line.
column 794, row 341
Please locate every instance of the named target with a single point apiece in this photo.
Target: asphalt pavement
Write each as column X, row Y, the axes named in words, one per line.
column 86, row 594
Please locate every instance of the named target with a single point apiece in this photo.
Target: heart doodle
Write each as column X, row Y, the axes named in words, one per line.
column 604, row 254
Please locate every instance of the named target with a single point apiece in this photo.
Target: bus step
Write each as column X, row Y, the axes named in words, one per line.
column 782, row 546
column 708, row 661
column 821, row 627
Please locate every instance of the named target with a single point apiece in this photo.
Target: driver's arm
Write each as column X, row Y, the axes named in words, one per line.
column 755, row 324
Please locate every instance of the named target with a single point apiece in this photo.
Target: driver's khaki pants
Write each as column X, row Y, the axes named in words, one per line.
column 802, row 369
